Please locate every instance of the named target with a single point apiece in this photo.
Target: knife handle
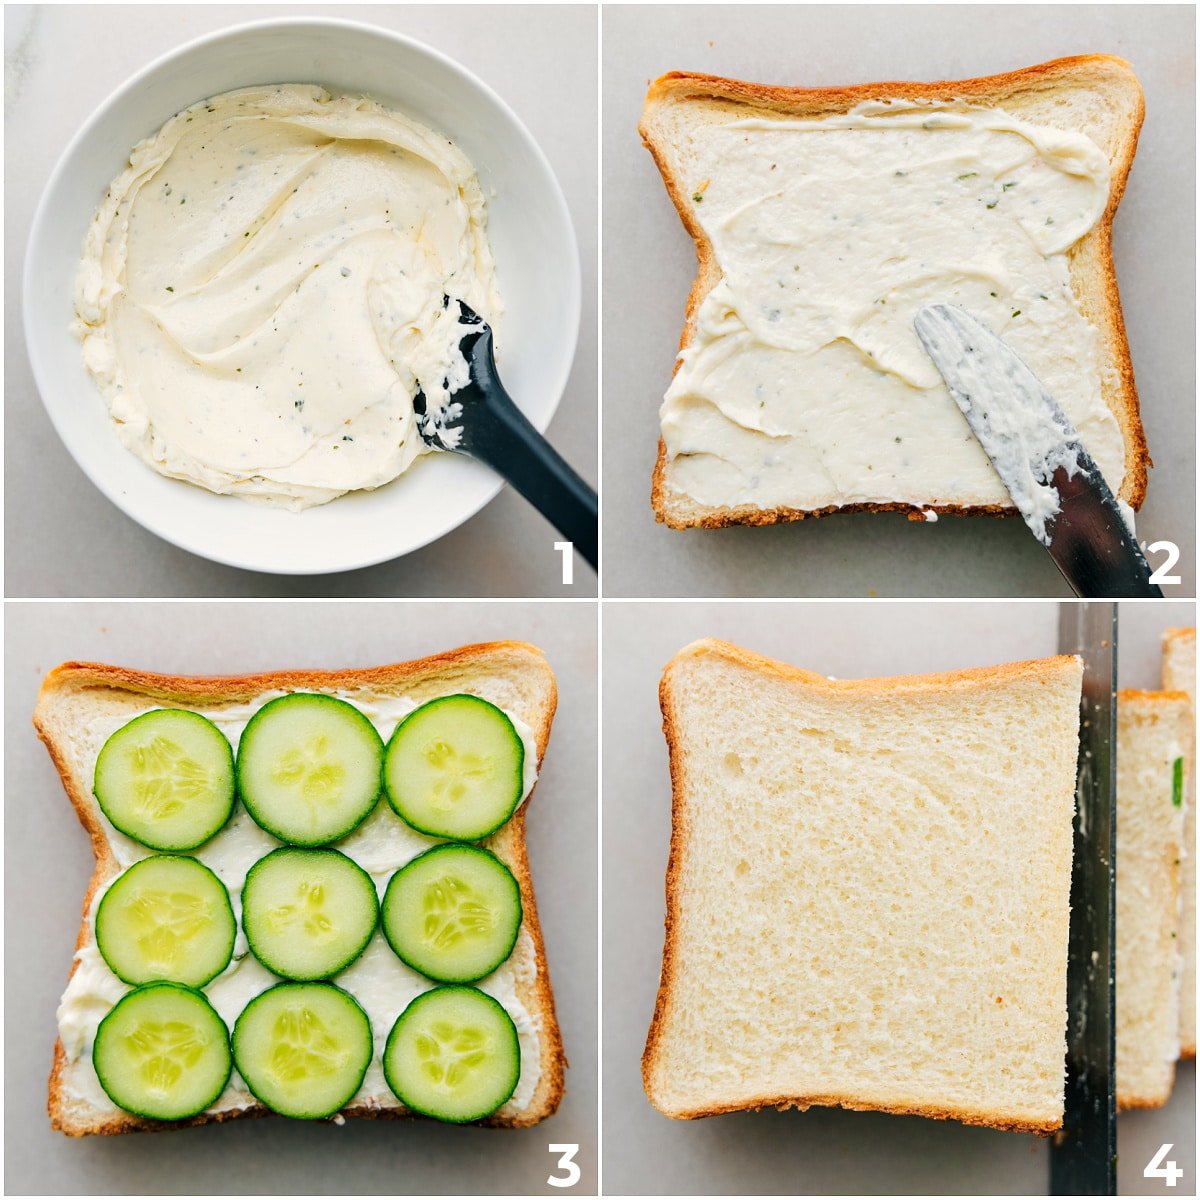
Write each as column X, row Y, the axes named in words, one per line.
column 1092, row 545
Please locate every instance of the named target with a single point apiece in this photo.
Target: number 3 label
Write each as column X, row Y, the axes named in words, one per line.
column 1156, row 1169
column 566, row 1152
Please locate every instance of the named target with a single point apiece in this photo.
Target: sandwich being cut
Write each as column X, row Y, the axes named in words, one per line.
column 1154, row 743
column 868, row 890
column 1179, row 675
column 824, row 219
column 311, row 894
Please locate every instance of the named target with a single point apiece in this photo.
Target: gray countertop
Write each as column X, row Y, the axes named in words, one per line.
column 62, row 537
column 649, row 265
column 48, row 862
column 822, row 1151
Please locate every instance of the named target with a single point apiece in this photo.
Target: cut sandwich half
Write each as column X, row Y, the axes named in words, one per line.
column 1179, row 675
column 1154, row 743
column 824, row 219
column 868, row 890
column 306, row 1049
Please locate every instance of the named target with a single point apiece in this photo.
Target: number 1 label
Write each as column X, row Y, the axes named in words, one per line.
column 566, row 549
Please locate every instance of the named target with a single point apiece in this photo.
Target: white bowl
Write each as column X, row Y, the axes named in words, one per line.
column 537, row 267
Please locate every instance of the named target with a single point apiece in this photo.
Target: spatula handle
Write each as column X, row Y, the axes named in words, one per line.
column 502, row 438
column 499, row 435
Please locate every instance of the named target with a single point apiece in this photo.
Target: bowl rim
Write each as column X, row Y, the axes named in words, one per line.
column 185, row 539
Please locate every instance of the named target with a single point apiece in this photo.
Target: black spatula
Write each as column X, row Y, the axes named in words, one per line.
column 482, row 422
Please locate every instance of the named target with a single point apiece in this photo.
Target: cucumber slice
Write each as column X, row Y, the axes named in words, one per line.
column 453, row 1054
column 308, row 768
column 454, row 768
column 303, row 1048
column 162, row 1052
column 308, row 914
column 453, row 913
column 166, row 918
column 166, row 779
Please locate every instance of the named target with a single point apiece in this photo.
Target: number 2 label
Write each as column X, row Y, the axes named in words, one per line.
column 566, row 1152
column 1172, row 552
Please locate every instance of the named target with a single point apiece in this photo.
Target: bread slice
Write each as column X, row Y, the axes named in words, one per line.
column 1094, row 94
column 1179, row 675
column 80, row 704
column 1154, row 729
column 868, row 890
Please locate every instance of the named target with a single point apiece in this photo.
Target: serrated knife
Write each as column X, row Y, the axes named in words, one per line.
column 1036, row 451
column 1083, row 1154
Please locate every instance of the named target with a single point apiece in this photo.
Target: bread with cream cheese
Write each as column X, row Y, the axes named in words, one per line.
column 1179, row 675
column 1095, row 95
column 1154, row 729
column 80, row 703
column 867, row 897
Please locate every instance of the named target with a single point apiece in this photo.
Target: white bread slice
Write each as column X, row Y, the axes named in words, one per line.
column 868, row 890
column 1153, row 730
column 1097, row 95
column 1179, row 675
column 80, row 703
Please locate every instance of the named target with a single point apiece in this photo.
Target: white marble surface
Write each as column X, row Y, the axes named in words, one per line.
column 48, row 862
column 62, row 538
column 822, row 1151
column 649, row 265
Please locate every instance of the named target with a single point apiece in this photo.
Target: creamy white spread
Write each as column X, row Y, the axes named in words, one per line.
column 261, row 292
column 378, row 980
column 805, row 385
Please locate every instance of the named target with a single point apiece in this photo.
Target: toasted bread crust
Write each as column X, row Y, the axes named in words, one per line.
column 1128, row 1103
column 680, row 834
column 677, row 86
column 509, row 844
column 1151, row 697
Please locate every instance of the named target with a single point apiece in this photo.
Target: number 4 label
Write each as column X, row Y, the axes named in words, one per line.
column 566, row 1152
column 1156, row 1169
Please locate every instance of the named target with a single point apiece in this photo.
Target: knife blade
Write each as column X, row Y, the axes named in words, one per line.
column 1083, row 1154
column 1036, row 451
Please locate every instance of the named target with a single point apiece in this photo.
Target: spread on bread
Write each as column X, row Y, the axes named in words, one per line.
column 1155, row 738
column 278, row 943
column 263, row 286
column 803, row 385
column 1179, row 675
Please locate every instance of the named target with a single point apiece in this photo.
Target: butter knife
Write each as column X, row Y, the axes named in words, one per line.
column 1049, row 474
column 1083, row 1154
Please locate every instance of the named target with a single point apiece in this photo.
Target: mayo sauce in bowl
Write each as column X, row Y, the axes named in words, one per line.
column 260, row 290
column 318, row 85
